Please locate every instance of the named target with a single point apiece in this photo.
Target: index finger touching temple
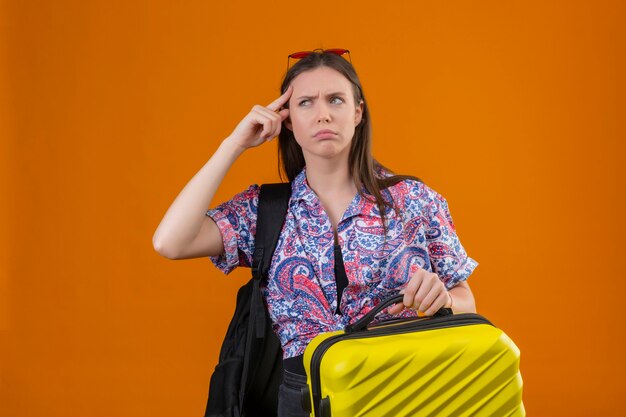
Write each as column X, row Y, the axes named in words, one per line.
column 278, row 103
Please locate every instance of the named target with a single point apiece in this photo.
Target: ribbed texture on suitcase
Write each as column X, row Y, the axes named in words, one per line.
column 460, row 371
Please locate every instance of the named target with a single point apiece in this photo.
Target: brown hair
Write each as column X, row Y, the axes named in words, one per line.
column 364, row 169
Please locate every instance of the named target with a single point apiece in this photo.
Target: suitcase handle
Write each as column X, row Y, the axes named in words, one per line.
column 362, row 323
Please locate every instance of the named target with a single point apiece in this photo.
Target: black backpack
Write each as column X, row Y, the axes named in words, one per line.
column 250, row 368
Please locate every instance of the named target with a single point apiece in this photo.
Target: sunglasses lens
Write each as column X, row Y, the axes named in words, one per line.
column 337, row 51
column 300, row 55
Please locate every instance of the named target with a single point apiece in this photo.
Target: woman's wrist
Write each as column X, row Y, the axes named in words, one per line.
column 450, row 302
column 232, row 147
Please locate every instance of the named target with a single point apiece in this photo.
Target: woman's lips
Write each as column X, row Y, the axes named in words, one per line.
column 326, row 133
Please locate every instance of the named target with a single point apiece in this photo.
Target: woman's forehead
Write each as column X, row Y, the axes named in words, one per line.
column 320, row 80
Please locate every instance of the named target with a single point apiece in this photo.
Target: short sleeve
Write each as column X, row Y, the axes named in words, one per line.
column 236, row 221
column 436, row 234
column 447, row 255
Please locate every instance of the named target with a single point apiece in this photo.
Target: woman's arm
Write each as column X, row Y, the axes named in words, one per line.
column 462, row 298
column 185, row 231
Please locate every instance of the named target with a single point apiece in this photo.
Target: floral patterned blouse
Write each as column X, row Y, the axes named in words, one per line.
column 301, row 294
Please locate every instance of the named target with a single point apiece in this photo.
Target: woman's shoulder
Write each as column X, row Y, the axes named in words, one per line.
column 397, row 181
column 247, row 198
column 413, row 194
column 249, row 193
column 401, row 184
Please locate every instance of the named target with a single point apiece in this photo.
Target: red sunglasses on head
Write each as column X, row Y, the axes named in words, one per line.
column 303, row 54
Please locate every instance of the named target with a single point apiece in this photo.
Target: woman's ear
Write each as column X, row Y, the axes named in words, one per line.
column 287, row 122
column 358, row 116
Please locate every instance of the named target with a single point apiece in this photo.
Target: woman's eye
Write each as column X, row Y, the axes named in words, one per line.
column 337, row 98
column 303, row 101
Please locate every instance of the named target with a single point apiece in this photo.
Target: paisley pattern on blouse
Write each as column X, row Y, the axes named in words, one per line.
column 301, row 294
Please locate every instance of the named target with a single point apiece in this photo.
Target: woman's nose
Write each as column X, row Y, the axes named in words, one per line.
column 323, row 114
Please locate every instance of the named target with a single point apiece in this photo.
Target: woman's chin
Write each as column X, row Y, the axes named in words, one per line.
column 325, row 150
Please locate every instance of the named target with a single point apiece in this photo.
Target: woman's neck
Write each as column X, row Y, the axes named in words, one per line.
column 330, row 180
column 335, row 189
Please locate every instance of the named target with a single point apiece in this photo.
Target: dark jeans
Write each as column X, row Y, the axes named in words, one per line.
column 290, row 396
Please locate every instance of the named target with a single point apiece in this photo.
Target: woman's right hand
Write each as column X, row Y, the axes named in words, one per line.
column 262, row 123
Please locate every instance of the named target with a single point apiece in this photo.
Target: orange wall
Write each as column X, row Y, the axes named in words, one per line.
column 514, row 111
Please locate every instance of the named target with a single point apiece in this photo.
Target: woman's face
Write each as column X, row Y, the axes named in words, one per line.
column 323, row 100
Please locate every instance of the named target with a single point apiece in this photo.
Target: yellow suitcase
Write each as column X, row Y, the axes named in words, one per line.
column 445, row 365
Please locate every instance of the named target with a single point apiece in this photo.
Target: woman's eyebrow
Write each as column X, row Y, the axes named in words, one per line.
column 339, row 93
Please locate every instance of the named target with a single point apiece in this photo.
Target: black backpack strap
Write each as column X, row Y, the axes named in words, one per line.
column 271, row 213
column 262, row 367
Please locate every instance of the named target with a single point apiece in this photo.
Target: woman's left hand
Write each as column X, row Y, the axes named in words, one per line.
column 425, row 293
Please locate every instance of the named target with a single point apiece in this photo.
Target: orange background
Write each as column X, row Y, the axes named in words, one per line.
column 514, row 111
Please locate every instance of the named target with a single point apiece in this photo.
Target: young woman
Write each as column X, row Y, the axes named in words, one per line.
column 354, row 233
